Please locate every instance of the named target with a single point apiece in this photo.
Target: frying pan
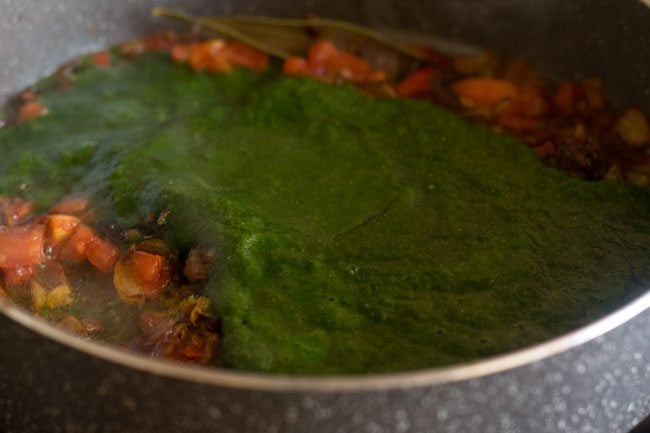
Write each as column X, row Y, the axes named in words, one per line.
column 595, row 379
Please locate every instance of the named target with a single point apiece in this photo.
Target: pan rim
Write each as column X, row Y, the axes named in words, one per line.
column 221, row 377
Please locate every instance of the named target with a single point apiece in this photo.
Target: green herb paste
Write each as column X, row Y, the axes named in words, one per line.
column 354, row 235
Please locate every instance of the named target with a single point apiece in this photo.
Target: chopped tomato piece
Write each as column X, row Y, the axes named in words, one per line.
column 151, row 271
column 18, row 275
column 102, row 254
column 206, row 54
column 218, row 56
column 75, row 247
column 325, row 62
column 180, row 52
column 102, row 59
column 21, row 246
column 31, row 110
column 219, row 63
column 351, row 67
column 295, row 65
column 60, row 228
column 322, row 52
column 146, row 266
column 14, row 209
column 565, row 96
column 483, row 92
column 417, row 83
column 73, row 205
column 243, row 55
column 154, row 289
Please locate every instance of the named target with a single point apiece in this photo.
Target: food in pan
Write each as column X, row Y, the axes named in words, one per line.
column 209, row 200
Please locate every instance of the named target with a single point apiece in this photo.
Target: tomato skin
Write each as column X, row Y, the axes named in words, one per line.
column 21, row 246
column 102, row 254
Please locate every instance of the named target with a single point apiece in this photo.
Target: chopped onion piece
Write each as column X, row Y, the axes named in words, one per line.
column 59, row 296
column 126, row 283
column 59, row 228
column 38, row 294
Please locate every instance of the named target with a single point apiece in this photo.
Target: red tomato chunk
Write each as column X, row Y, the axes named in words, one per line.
column 21, row 246
column 102, row 254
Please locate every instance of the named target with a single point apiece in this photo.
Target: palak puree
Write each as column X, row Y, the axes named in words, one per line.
column 354, row 235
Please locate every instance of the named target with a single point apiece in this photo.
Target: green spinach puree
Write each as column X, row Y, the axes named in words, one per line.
column 355, row 235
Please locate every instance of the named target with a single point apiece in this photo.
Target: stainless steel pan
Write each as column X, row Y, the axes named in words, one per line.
column 596, row 379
